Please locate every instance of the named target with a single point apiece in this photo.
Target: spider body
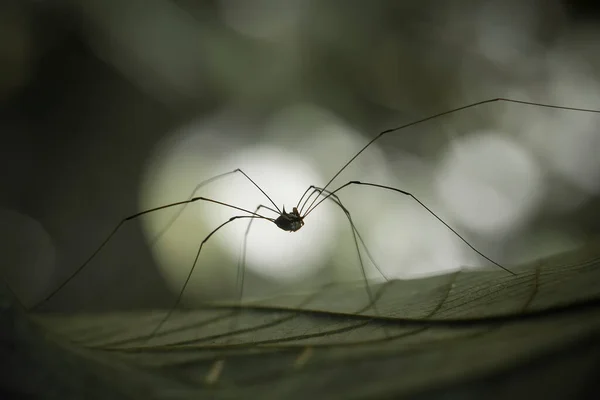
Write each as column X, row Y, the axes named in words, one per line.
column 290, row 222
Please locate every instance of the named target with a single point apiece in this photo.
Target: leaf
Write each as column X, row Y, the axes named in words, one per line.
column 470, row 334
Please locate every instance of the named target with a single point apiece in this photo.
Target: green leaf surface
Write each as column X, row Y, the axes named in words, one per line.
column 469, row 334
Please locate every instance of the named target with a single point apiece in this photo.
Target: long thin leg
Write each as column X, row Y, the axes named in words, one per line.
column 215, row 370
column 348, row 215
column 301, row 208
column 336, row 200
column 241, row 269
column 317, row 192
column 304, row 201
column 198, row 187
column 187, row 279
column 242, row 265
column 454, row 110
column 307, row 352
column 355, row 233
column 418, row 201
column 131, row 217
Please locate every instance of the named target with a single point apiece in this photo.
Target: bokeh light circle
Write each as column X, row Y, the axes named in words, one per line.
column 489, row 183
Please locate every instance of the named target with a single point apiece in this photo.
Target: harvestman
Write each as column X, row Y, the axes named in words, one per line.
column 294, row 220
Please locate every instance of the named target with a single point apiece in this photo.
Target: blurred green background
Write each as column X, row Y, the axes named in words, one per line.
column 112, row 107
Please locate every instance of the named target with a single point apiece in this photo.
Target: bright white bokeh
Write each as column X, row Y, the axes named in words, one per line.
column 272, row 252
column 568, row 141
column 489, row 183
column 562, row 142
column 410, row 243
column 284, row 161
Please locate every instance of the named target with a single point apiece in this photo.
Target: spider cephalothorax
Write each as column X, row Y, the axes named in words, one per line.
column 290, row 222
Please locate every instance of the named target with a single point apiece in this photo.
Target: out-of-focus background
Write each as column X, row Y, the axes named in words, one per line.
column 108, row 108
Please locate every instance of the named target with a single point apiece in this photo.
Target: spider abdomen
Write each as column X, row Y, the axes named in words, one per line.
column 290, row 222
